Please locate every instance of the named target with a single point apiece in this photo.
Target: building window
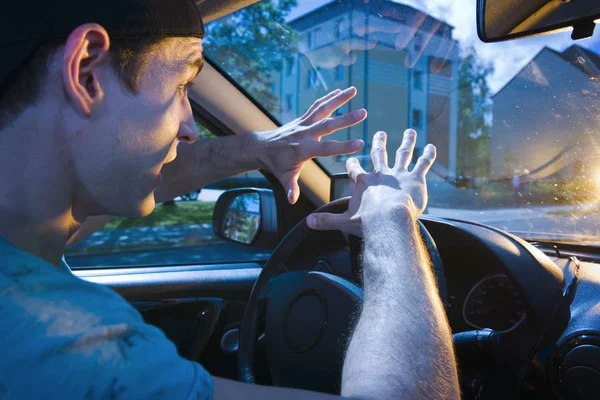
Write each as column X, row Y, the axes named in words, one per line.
column 313, row 79
column 418, row 80
column 273, row 88
column 313, row 38
column 417, row 42
column 289, row 66
column 337, row 29
column 288, row 102
column 339, row 73
column 417, row 118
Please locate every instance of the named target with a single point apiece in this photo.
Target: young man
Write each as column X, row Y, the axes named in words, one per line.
column 92, row 106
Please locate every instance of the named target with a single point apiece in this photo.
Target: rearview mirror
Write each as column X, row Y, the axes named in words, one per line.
column 499, row 20
column 246, row 216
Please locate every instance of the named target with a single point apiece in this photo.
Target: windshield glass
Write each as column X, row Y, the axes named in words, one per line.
column 516, row 124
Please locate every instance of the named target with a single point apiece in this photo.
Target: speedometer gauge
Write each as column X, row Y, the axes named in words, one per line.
column 494, row 302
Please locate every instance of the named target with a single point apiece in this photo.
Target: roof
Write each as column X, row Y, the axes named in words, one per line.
column 378, row 7
column 584, row 59
column 573, row 55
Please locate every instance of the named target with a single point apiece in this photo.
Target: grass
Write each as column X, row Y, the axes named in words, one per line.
column 178, row 213
column 105, row 250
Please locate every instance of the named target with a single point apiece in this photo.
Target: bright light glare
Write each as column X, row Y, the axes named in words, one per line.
column 597, row 178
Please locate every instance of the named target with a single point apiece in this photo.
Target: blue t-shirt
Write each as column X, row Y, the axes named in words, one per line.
column 65, row 338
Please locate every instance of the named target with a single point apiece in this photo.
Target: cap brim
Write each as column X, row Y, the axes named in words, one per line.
column 13, row 57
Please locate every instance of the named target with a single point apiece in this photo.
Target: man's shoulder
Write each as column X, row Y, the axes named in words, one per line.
column 64, row 329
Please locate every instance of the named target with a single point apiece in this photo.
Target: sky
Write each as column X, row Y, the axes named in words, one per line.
column 507, row 57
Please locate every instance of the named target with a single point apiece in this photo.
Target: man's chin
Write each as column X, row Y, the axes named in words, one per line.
column 126, row 208
column 142, row 209
column 146, row 206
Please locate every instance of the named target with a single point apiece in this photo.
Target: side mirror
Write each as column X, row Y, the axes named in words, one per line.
column 341, row 186
column 499, row 20
column 248, row 217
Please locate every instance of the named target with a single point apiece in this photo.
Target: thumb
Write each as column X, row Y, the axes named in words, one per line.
column 292, row 188
column 326, row 221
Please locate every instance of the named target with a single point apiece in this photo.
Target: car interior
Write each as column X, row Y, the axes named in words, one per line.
column 524, row 314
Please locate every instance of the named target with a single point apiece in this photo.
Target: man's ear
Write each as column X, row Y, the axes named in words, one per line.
column 86, row 50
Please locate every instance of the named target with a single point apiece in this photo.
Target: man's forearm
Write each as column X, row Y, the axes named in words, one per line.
column 207, row 161
column 402, row 345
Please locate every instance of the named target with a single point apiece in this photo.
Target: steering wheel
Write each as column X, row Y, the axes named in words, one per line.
column 306, row 316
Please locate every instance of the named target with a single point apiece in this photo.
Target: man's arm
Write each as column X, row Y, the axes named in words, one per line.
column 402, row 345
column 208, row 160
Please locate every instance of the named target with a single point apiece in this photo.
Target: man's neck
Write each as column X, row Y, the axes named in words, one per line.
column 36, row 189
column 45, row 239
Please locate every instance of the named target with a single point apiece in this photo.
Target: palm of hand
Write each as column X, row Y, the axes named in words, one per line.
column 379, row 193
column 289, row 147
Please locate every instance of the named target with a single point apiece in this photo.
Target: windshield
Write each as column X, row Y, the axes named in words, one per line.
column 516, row 124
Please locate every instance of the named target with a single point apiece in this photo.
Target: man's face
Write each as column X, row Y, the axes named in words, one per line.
column 131, row 136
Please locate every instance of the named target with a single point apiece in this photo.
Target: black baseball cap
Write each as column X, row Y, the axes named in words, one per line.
column 26, row 25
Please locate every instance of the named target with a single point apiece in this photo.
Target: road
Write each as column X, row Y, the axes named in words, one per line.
column 550, row 222
column 555, row 222
column 216, row 252
column 174, row 245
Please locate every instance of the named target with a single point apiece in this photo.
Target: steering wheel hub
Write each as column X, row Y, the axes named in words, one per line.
column 300, row 330
column 300, row 336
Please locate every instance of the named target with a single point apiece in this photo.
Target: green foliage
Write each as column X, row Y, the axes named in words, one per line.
column 205, row 133
column 474, row 105
column 180, row 213
column 247, row 45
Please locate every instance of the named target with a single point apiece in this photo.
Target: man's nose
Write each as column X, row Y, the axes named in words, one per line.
column 188, row 132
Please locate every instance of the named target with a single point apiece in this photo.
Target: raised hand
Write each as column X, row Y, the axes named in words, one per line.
column 285, row 150
column 385, row 191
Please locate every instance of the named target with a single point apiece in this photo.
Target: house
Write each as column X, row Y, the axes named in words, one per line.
column 547, row 118
column 397, row 91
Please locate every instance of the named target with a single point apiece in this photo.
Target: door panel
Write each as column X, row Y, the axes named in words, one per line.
column 231, row 282
column 193, row 305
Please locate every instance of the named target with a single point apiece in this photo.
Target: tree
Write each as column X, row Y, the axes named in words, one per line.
column 474, row 111
column 248, row 45
column 204, row 132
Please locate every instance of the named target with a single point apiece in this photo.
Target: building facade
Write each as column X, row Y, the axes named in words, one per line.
column 551, row 108
column 405, row 77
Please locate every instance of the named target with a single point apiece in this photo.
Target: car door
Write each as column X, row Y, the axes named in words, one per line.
column 177, row 273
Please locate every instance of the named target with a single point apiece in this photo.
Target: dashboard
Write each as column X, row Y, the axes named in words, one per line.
column 544, row 311
column 484, row 289
column 546, row 323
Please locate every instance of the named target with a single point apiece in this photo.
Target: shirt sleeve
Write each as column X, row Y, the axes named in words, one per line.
column 143, row 363
column 66, row 338
column 137, row 362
